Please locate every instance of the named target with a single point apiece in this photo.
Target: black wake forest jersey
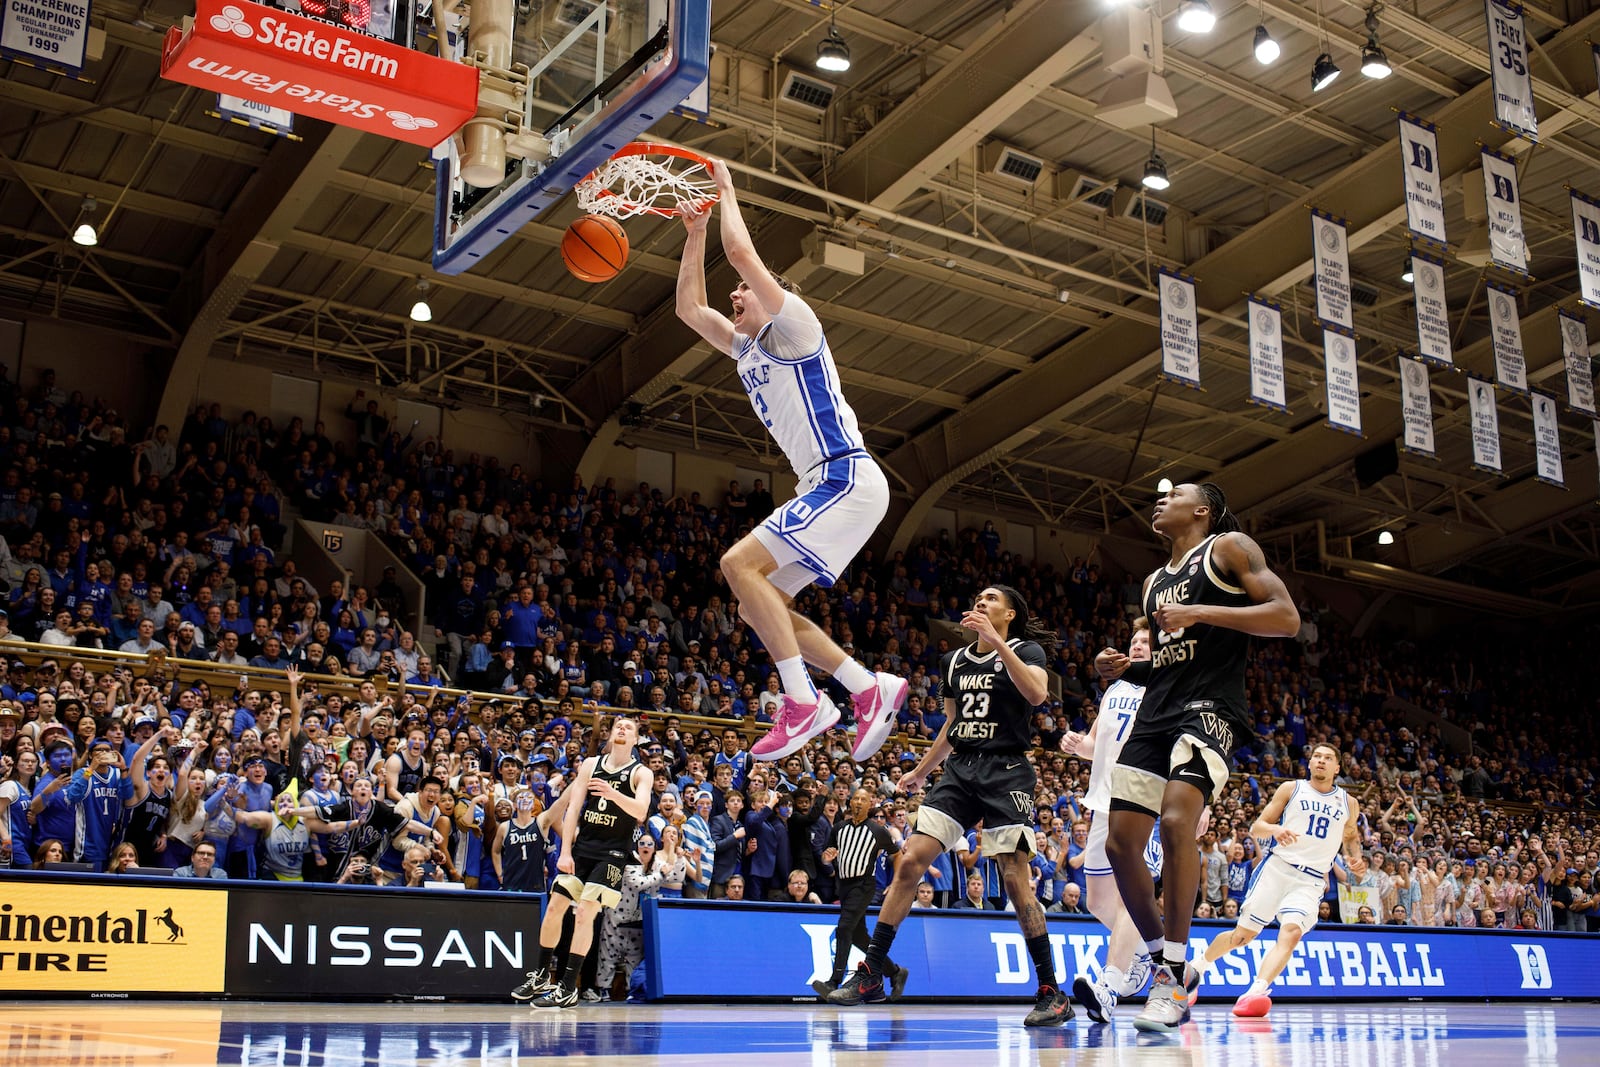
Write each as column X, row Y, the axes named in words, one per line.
column 1200, row 663
column 991, row 714
column 603, row 825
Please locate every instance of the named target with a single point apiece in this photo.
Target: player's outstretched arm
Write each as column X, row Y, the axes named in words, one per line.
column 937, row 753
column 1267, row 824
column 1272, row 614
column 740, row 249
column 692, row 306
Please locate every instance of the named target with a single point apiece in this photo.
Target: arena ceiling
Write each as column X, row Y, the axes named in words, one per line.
column 1000, row 346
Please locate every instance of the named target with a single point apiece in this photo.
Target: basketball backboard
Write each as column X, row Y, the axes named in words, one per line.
column 584, row 78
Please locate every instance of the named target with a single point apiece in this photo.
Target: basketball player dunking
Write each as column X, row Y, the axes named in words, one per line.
column 787, row 369
column 1214, row 593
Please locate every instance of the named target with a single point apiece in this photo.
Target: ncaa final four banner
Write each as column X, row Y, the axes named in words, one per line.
column 47, row 33
column 1266, row 355
column 1419, row 147
column 1580, row 369
column 1485, row 426
column 1547, row 442
column 1180, row 329
column 1508, row 248
column 1586, row 230
column 1330, row 261
column 1510, row 363
column 1416, row 408
column 1344, row 386
column 1508, row 59
column 1433, row 313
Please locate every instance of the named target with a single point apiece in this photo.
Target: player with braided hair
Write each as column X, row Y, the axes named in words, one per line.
column 1214, row 593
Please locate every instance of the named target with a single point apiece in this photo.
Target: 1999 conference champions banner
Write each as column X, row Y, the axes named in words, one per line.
column 1344, row 390
column 51, row 33
column 1180, row 329
column 1266, row 355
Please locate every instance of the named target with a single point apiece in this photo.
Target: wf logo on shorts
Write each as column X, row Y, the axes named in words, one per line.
column 1535, row 966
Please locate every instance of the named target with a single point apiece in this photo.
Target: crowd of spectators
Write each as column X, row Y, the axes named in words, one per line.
column 561, row 605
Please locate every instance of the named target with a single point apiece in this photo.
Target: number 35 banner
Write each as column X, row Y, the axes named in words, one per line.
column 1513, row 85
column 52, row 33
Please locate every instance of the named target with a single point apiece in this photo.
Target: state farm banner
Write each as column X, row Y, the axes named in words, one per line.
column 1344, row 388
column 1266, row 355
column 1433, row 314
column 48, row 33
column 1416, row 407
column 320, row 70
column 1580, row 369
column 1547, row 442
column 1180, row 329
column 1330, row 260
column 1586, row 229
column 1510, row 365
column 1507, row 246
column 1485, row 426
column 1513, row 85
column 1419, row 148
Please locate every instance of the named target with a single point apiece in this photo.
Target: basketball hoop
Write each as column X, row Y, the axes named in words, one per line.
column 647, row 179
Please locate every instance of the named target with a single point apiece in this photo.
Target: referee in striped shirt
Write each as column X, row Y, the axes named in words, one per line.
column 852, row 852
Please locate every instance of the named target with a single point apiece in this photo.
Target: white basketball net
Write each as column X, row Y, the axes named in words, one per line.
column 626, row 186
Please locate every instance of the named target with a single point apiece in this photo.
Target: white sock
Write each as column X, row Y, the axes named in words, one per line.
column 854, row 677
column 796, row 681
column 1257, row 988
column 1154, row 946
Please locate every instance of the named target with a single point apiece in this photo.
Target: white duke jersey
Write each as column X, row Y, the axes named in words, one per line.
column 787, row 371
column 1319, row 819
column 1118, row 708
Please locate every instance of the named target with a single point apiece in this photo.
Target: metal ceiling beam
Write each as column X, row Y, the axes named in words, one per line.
column 74, row 109
column 159, row 207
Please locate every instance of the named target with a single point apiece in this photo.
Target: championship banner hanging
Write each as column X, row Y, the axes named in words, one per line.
column 1419, row 148
column 1180, row 329
column 1433, row 314
column 1330, row 252
column 263, row 117
column 1507, row 247
column 1547, row 442
column 1416, row 407
column 1586, row 229
column 1344, row 390
column 1510, row 366
column 1266, row 355
column 1508, row 61
column 1580, row 369
column 1485, row 426
column 46, row 33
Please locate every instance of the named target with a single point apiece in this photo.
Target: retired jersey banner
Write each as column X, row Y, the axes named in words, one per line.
column 1507, row 246
column 1547, row 441
column 1344, row 388
column 1416, row 407
column 1266, row 355
column 1586, row 229
column 1419, row 148
column 1180, row 329
column 1330, row 260
column 1580, row 369
column 50, row 33
column 1508, row 62
column 1510, row 365
column 1433, row 314
column 1485, row 426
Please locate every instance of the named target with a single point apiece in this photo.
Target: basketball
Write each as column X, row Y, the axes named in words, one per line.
column 594, row 248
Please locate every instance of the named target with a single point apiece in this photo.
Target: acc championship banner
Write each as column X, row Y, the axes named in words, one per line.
column 1510, row 365
column 51, row 33
column 1485, row 426
column 1180, row 329
column 1433, row 314
column 1580, row 369
column 1507, row 246
column 1344, row 390
column 1266, row 355
column 1330, row 260
column 981, row 955
column 1508, row 57
column 1419, row 147
column 1547, row 441
column 1416, row 407
column 1586, row 229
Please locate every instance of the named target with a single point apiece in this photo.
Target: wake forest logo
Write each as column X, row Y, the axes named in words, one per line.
column 58, row 931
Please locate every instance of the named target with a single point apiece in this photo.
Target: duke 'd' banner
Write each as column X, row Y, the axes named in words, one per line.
column 1580, row 369
column 51, row 33
column 1507, row 247
column 1547, row 441
column 1586, row 229
column 1266, row 355
column 1416, row 407
column 1508, row 57
column 1510, row 366
column 1344, row 390
column 1419, row 147
column 1330, row 252
column 1433, row 315
column 1485, row 425
column 1180, row 329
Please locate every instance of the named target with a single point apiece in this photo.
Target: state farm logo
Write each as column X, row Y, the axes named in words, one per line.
column 231, row 20
column 306, row 38
column 403, row 121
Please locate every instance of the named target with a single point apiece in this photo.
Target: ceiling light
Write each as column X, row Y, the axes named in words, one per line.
column 420, row 311
column 833, row 54
column 1323, row 72
column 1374, row 64
column 1196, row 16
column 1164, row 486
column 1407, row 275
column 1385, row 537
column 1267, row 50
column 1155, row 168
column 85, row 234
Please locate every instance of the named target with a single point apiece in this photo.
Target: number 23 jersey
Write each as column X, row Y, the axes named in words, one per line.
column 991, row 714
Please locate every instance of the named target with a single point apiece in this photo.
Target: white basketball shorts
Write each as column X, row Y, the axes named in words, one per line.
column 837, row 507
column 1282, row 892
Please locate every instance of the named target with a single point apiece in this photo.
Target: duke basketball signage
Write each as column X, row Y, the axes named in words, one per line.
column 319, row 70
